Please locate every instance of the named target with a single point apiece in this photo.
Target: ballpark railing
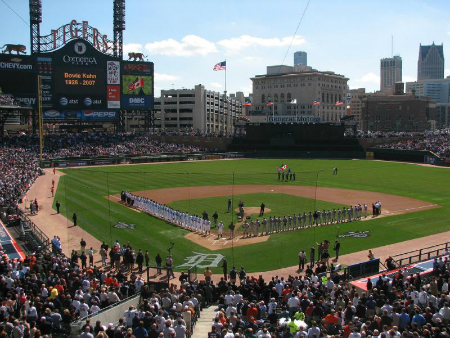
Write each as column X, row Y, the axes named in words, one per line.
column 417, row 256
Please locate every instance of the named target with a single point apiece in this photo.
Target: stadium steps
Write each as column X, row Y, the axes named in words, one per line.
column 204, row 323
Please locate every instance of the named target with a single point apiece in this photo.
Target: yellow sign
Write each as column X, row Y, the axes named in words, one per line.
column 369, row 155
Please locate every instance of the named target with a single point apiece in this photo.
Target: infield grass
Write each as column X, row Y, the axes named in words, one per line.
column 84, row 191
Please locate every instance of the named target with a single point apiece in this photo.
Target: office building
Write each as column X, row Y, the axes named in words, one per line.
column 437, row 90
column 197, row 110
column 300, row 58
column 431, row 62
column 293, row 95
column 356, row 99
column 390, row 73
column 399, row 113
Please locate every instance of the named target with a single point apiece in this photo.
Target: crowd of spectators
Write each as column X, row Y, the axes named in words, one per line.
column 96, row 144
column 198, row 133
column 438, row 142
column 45, row 293
column 405, row 305
column 19, row 155
column 8, row 100
column 18, row 171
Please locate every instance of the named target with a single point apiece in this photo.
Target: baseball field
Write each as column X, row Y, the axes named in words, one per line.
column 415, row 203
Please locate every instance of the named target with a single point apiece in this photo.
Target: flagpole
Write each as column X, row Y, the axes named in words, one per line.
column 225, row 103
column 225, row 77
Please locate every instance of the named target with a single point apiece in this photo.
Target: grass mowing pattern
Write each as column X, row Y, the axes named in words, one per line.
column 83, row 191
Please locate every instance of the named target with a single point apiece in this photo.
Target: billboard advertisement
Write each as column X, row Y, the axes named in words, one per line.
column 137, row 85
column 81, row 115
column 18, row 78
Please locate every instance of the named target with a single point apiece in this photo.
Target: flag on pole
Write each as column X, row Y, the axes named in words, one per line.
column 339, row 103
column 282, row 167
column 316, row 103
column 139, row 82
column 248, row 103
column 294, row 101
column 220, row 66
column 269, row 104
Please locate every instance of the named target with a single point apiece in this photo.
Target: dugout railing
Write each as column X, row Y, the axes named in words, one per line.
column 420, row 255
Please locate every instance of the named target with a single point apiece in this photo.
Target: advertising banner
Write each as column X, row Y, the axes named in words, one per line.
column 18, row 78
column 113, row 72
column 114, row 97
column 370, row 155
column 137, row 85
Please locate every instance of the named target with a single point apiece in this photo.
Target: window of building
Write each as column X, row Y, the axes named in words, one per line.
column 263, row 98
column 282, row 97
column 276, row 97
column 289, row 99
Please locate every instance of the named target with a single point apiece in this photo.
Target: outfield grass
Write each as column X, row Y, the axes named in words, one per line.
column 84, row 191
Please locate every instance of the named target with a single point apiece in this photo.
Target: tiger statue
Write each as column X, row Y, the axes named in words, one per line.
column 136, row 56
column 14, row 48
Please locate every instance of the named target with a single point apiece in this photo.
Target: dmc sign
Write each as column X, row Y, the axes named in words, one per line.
column 138, row 100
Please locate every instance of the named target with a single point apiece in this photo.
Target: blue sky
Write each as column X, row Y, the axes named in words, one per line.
column 186, row 38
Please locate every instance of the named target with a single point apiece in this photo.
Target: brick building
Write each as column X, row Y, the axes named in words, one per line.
column 405, row 113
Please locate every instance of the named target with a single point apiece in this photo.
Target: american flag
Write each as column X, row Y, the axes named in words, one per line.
column 220, row 66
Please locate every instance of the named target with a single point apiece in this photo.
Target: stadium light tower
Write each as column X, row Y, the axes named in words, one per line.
column 35, row 21
column 119, row 27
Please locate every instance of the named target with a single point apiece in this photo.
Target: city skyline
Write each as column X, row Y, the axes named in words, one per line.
column 186, row 40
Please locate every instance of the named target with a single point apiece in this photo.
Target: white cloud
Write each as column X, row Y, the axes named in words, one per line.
column 252, row 58
column 370, row 78
column 447, row 72
column 233, row 45
column 216, row 85
column 157, row 91
column 246, row 89
column 165, row 77
column 190, row 45
column 407, row 78
column 131, row 48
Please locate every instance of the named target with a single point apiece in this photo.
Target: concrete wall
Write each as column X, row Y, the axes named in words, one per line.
column 111, row 315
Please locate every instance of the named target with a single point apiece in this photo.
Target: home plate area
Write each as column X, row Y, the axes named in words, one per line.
column 220, row 241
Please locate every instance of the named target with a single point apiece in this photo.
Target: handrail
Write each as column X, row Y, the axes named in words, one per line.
column 38, row 233
column 429, row 247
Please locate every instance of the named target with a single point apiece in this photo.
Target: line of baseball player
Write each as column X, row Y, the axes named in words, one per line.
column 176, row 217
column 253, row 228
column 287, row 223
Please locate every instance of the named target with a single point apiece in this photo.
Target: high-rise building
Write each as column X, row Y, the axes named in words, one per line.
column 431, row 62
column 300, row 58
column 437, row 90
column 390, row 73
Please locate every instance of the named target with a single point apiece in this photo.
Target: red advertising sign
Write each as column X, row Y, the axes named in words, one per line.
column 114, row 97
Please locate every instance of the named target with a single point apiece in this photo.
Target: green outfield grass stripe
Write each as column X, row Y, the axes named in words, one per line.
column 86, row 191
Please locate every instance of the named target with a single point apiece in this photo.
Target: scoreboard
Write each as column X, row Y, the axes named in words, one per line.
column 78, row 82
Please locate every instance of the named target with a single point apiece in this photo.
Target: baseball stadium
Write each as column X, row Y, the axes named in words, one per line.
column 257, row 223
